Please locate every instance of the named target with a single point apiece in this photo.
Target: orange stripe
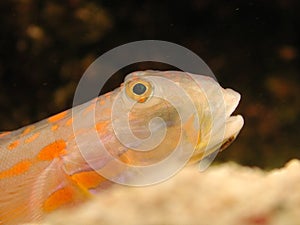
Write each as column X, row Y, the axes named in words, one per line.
column 13, row 145
column 59, row 198
column 101, row 126
column 27, row 130
column 57, row 117
column 69, row 122
column 89, row 109
column 107, row 95
column 54, row 127
column 17, row 169
column 88, row 179
column 101, row 102
column 53, row 150
column 32, row 138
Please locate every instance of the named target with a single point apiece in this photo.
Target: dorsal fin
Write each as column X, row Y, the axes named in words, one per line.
column 5, row 137
column 4, row 134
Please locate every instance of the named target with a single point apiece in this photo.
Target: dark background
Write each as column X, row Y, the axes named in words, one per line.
column 252, row 47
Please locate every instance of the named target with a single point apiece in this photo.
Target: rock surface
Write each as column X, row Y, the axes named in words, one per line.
column 228, row 194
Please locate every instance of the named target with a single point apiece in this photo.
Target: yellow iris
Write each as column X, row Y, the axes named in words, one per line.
column 138, row 90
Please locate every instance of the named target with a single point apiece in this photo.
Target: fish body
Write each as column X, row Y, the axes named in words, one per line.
column 55, row 162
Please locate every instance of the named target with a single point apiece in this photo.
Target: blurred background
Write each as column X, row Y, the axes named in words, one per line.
column 251, row 46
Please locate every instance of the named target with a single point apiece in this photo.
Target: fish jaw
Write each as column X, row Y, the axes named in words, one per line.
column 234, row 123
column 218, row 127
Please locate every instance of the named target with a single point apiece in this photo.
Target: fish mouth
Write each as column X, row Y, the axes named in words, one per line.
column 226, row 130
column 234, row 123
column 221, row 109
column 226, row 126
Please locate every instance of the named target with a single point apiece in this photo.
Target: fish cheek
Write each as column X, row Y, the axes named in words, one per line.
column 139, row 122
column 141, row 115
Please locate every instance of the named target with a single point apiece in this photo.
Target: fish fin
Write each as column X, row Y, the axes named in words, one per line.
column 59, row 190
column 28, row 197
column 207, row 160
column 16, row 192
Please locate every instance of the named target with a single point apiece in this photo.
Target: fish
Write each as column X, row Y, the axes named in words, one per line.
column 56, row 162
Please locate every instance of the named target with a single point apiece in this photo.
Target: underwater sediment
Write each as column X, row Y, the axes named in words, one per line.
column 223, row 194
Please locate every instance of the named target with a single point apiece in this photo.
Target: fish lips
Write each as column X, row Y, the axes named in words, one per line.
column 233, row 123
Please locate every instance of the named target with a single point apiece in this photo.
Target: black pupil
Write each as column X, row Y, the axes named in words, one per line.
column 139, row 89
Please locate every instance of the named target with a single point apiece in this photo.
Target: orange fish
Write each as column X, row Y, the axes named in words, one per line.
column 50, row 164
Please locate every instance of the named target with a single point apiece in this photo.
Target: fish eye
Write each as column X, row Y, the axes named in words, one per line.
column 138, row 90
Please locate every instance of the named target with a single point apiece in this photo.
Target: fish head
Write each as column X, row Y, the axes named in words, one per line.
column 158, row 112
